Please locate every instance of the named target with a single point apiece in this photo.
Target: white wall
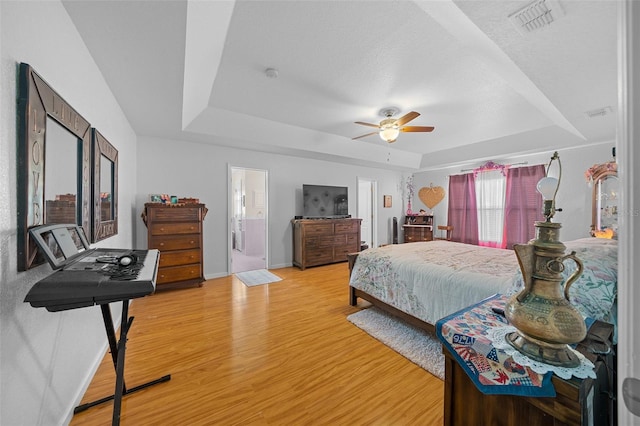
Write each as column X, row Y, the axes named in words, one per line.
column 47, row 359
column 164, row 168
column 629, row 151
column 574, row 195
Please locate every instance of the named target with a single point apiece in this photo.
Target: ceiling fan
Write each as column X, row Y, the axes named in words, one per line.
column 390, row 128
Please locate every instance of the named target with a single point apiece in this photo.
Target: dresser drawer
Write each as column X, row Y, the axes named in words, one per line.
column 318, row 257
column 340, row 252
column 347, row 227
column 318, row 242
column 175, row 228
column 178, row 273
column 346, row 239
column 174, row 214
column 179, row 257
column 170, row 242
column 314, row 229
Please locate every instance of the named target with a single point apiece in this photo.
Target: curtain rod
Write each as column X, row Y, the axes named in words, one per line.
column 514, row 164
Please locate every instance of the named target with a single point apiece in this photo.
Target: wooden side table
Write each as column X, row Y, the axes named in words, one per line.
column 578, row 402
column 482, row 401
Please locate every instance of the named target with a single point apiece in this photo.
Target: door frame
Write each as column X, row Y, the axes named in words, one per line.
column 230, row 169
column 373, row 188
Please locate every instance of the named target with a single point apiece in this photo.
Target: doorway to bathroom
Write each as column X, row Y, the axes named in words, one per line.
column 367, row 195
column 248, row 219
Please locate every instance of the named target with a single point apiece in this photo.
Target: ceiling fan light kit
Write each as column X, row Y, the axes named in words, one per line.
column 389, row 128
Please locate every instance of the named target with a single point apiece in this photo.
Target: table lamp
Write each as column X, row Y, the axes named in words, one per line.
column 545, row 319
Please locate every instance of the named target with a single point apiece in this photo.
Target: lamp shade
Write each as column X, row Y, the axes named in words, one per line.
column 389, row 130
column 547, row 186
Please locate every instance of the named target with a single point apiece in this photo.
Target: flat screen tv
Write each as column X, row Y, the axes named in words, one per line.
column 325, row 202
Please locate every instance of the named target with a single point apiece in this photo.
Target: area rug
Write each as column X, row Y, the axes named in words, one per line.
column 257, row 277
column 418, row 346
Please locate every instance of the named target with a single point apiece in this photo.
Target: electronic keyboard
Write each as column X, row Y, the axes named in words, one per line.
column 85, row 276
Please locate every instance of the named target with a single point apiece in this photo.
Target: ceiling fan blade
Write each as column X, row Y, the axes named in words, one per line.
column 407, row 118
column 364, row 136
column 417, row 129
column 367, row 124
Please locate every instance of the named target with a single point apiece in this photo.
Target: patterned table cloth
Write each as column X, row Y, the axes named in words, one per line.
column 492, row 370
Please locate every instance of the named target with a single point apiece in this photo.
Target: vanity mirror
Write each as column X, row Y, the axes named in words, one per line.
column 604, row 181
column 105, row 188
column 54, row 163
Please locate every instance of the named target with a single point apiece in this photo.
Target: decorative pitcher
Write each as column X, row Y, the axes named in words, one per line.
column 546, row 320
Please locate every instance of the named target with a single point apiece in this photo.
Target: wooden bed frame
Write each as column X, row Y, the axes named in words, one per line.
column 569, row 407
column 354, row 293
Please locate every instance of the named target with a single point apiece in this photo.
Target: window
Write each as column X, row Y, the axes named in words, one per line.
column 490, row 201
column 496, row 205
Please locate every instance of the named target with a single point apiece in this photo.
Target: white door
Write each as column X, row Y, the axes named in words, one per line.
column 247, row 219
column 367, row 194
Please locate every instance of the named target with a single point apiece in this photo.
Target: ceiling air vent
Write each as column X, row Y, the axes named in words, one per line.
column 536, row 15
column 600, row 112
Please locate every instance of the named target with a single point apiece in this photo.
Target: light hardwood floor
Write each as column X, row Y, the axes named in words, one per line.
column 276, row 354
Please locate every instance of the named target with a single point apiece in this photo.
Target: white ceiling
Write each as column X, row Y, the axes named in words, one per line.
column 194, row 70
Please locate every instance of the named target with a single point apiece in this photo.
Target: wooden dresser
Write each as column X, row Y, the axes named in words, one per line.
column 323, row 241
column 177, row 232
column 418, row 228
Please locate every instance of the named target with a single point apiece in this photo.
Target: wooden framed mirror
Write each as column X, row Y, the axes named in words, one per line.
column 105, row 188
column 54, row 163
column 605, row 199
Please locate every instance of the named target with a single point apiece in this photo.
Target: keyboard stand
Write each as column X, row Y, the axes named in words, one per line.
column 118, row 349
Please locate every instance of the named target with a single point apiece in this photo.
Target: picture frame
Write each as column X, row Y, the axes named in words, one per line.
column 386, row 201
column 104, row 215
column 51, row 135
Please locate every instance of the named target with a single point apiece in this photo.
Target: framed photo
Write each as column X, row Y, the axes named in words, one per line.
column 386, row 201
column 155, row 198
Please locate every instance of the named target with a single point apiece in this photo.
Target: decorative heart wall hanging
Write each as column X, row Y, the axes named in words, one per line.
column 431, row 195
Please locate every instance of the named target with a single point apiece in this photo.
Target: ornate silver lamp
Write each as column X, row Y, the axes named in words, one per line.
column 545, row 320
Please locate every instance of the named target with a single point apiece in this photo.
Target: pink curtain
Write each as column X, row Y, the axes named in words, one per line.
column 463, row 214
column 523, row 204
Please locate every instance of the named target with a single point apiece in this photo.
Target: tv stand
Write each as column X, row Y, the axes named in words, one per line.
column 320, row 242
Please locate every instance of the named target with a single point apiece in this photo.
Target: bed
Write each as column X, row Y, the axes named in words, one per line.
column 422, row 282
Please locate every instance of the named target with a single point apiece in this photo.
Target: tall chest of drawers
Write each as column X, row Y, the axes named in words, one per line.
column 177, row 232
column 323, row 241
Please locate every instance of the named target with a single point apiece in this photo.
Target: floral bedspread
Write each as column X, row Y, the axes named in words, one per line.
column 430, row 280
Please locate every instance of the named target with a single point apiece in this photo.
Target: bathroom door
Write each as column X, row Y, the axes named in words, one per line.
column 247, row 219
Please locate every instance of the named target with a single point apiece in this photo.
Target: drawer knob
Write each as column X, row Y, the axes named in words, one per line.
column 161, row 244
